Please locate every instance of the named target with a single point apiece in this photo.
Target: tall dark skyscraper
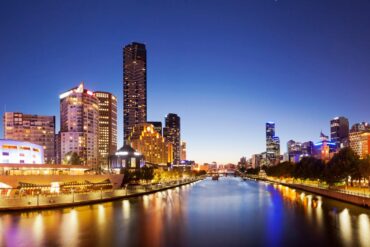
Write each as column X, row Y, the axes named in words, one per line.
column 172, row 134
column 134, row 87
column 272, row 144
column 339, row 131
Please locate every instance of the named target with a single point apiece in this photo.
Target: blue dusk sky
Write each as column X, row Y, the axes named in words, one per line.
column 225, row 67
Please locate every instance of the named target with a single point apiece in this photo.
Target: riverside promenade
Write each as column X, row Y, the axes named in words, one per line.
column 75, row 199
column 359, row 199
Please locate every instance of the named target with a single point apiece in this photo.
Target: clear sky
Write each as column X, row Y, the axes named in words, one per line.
column 226, row 67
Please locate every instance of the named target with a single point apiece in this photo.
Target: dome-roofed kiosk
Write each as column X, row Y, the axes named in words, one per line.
column 126, row 157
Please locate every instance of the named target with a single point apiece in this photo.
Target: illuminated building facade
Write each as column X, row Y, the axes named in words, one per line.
column 272, row 144
column 19, row 152
column 32, row 128
column 359, row 139
column 172, row 134
column 151, row 144
column 107, row 137
column 183, row 150
column 325, row 149
column 339, row 131
column 79, row 125
column 134, row 87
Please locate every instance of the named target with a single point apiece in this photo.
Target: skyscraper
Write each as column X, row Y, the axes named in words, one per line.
column 79, row 125
column 32, row 128
column 107, row 141
column 172, row 134
column 339, row 131
column 183, row 150
column 359, row 139
column 272, row 144
column 134, row 87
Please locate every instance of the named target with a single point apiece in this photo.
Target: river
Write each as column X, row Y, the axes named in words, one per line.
column 229, row 212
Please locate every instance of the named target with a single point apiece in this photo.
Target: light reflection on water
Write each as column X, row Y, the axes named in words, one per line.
column 233, row 212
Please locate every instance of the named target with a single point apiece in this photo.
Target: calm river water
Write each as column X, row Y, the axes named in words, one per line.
column 228, row 212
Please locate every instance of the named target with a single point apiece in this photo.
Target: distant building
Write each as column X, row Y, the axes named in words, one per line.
column 324, row 149
column 126, row 157
column 19, row 152
column 183, row 150
column 294, row 151
column 34, row 129
column 134, row 87
column 339, row 131
column 359, row 139
column 79, row 124
column 107, row 136
column 157, row 126
column 272, row 144
column 154, row 147
column 307, row 148
column 172, row 134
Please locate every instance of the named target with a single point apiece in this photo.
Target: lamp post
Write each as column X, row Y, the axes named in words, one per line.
column 73, row 195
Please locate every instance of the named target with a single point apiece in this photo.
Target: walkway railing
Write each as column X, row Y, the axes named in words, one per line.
column 85, row 197
column 319, row 186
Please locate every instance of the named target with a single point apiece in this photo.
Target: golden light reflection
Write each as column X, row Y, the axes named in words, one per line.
column 101, row 214
column 345, row 226
column 38, row 229
column 126, row 209
column 69, row 229
column 364, row 229
column 146, row 201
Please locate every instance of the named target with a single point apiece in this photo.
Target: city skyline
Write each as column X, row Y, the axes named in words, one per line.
column 194, row 87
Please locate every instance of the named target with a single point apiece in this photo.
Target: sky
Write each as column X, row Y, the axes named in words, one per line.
column 225, row 67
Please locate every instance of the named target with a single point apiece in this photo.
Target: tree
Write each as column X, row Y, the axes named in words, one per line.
column 72, row 158
column 343, row 165
column 147, row 173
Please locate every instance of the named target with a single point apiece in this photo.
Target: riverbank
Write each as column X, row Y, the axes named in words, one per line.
column 78, row 199
column 345, row 197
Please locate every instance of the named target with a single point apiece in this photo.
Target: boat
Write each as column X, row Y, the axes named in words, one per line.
column 215, row 177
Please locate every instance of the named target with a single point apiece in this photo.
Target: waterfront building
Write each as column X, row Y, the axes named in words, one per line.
column 154, row 147
column 79, row 125
column 35, row 129
column 325, row 149
column 134, row 87
column 126, row 157
column 183, row 151
column 172, row 134
column 339, row 131
column 157, row 126
column 31, row 179
column 107, row 136
column 20, row 152
column 359, row 139
column 272, row 144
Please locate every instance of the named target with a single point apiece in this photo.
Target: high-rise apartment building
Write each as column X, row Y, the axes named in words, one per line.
column 107, row 137
column 134, row 87
column 183, row 150
column 172, row 134
column 339, row 131
column 79, row 125
column 32, row 128
column 272, row 144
